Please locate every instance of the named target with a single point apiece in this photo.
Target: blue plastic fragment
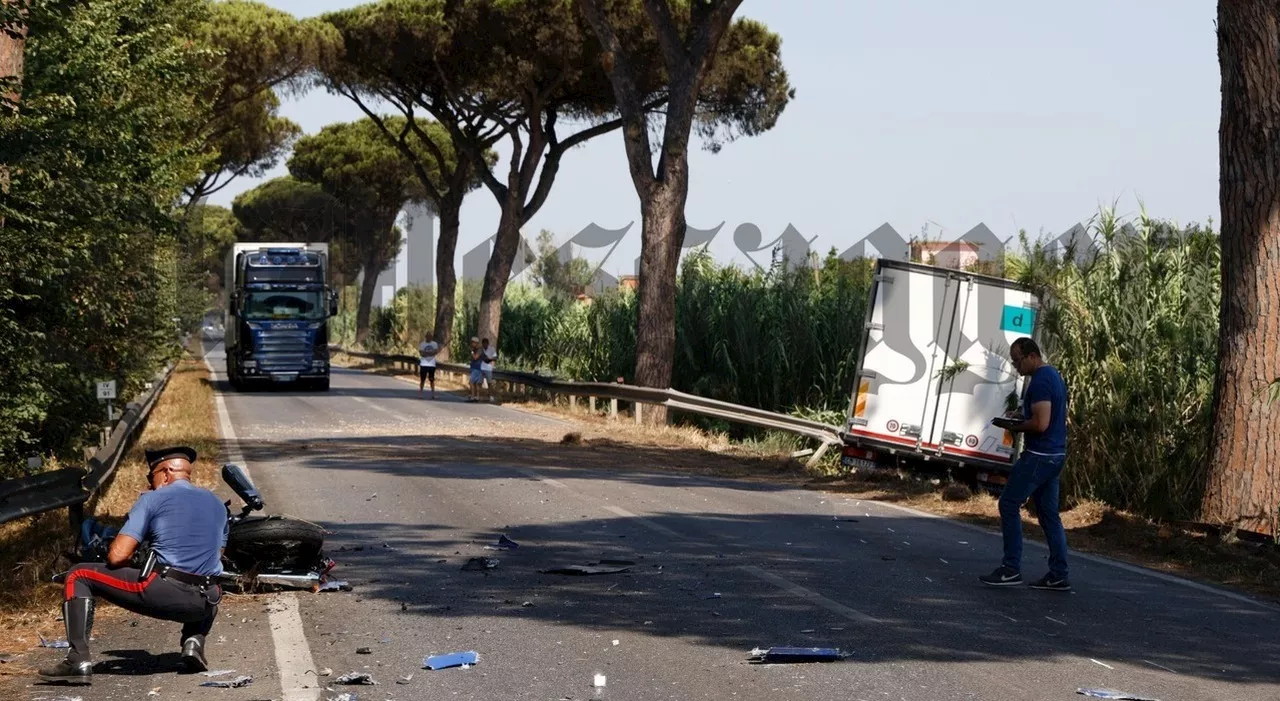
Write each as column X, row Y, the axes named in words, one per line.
column 1112, row 694
column 452, row 659
column 796, row 654
column 53, row 643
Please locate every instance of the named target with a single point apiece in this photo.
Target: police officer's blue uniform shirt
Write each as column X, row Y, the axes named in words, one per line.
column 1046, row 385
column 185, row 524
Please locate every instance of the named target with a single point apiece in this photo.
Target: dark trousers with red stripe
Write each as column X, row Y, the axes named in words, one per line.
column 193, row 606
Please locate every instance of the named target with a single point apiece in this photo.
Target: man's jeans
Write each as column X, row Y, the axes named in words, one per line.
column 1034, row 476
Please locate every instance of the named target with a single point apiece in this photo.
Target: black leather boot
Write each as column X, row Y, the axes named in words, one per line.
column 77, row 668
column 193, row 654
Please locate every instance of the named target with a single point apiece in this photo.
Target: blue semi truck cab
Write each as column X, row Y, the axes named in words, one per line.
column 278, row 307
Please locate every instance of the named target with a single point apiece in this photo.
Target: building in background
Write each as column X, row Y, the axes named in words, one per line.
column 416, row 262
column 945, row 254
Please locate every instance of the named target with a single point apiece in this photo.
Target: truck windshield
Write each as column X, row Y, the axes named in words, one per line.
column 276, row 304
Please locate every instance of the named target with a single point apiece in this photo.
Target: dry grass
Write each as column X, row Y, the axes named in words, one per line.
column 29, row 601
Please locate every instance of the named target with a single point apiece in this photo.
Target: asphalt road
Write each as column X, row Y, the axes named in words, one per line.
column 413, row 488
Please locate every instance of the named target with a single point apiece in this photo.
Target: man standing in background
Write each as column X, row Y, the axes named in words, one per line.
column 427, row 351
column 1037, row 472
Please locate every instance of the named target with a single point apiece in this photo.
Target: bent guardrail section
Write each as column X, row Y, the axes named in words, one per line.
column 826, row 434
column 73, row 486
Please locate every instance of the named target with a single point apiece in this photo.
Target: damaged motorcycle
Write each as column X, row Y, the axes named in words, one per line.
column 263, row 553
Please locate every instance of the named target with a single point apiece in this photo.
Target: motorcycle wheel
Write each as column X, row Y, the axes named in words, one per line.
column 274, row 543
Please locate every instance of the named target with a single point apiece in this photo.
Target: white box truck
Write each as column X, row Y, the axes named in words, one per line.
column 934, row 369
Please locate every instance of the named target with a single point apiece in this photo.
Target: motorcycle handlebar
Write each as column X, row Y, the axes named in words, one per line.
column 239, row 482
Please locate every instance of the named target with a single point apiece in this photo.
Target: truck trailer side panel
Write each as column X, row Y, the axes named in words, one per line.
column 934, row 366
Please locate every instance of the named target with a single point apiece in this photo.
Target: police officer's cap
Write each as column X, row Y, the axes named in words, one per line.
column 155, row 457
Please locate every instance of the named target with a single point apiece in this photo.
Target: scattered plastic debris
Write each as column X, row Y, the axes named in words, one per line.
column 1104, row 664
column 716, row 595
column 232, row 684
column 452, row 659
column 1112, row 694
column 155, row 691
column 599, row 681
column 617, row 642
column 527, row 604
column 218, row 673
column 364, row 651
column 504, row 543
column 356, row 678
column 344, row 697
column 335, row 585
column 53, row 643
column 324, row 672
column 586, row 569
column 480, row 564
column 404, row 680
column 7, row 658
column 795, row 654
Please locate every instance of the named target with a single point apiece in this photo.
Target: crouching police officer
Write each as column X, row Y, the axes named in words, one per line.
column 186, row 529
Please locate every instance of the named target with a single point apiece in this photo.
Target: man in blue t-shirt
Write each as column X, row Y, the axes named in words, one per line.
column 186, row 528
column 1036, row 473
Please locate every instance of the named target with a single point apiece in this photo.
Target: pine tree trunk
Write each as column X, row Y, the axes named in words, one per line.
column 12, row 47
column 446, row 276
column 662, row 238
column 1243, row 485
column 505, row 246
column 368, row 286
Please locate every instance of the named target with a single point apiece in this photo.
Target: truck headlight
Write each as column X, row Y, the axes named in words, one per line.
column 318, row 363
column 250, row 363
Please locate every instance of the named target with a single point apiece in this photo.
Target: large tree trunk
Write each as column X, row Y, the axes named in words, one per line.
column 498, row 272
column 13, row 39
column 368, row 286
column 446, row 276
column 662, row 237
column 1243, row 486
column 12, row 46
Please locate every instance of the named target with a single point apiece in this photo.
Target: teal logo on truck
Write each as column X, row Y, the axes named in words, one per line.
column 1018, row 320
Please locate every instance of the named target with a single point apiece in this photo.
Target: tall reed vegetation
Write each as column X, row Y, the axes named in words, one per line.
column 1133, row 329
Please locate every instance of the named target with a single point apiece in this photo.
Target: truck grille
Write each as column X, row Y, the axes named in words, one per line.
column 284, row 350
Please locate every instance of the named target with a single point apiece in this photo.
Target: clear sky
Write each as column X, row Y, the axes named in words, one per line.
column 922, row 113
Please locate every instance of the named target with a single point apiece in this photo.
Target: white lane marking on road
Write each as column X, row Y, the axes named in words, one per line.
column 1097, row 559
column 293, row 654
column 1159, row 666
column 647, row 523
column 382, row 409
column 778, row 581
column 809, row 595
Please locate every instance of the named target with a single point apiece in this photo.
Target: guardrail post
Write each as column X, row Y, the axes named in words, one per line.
column 592, row 400
column 613, row 409
column 637, row 412
column 573, row 403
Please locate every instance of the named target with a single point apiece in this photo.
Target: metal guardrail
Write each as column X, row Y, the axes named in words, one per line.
column 73, row 486
column 671, row 399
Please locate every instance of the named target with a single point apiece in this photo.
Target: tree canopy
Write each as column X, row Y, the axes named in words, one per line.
column 356, row 165
column 256, row 50
column 524, row 71
column 98, row 157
